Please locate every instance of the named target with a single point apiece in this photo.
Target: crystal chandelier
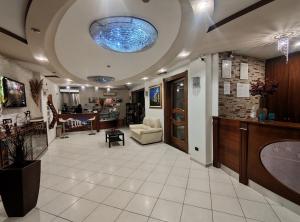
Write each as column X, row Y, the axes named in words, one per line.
column 283, row 44
column 123, row 34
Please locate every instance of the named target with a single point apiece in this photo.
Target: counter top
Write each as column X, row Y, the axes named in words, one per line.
column 266, row 123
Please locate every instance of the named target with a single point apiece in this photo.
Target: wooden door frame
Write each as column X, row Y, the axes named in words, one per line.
column 168, row 106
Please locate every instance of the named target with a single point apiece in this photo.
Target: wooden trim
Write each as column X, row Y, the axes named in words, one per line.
column 239, row 14
column 13, row 35
column 27, row 10
column 243, row 153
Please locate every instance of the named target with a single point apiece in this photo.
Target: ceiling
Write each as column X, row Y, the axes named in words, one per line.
column 226, row 8
column 12, row 16
column 80, row 55
column 65, row 41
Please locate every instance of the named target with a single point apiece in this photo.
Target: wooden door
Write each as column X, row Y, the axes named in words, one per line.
column 178, row 114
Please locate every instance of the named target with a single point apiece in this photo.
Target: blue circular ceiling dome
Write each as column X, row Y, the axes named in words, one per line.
column 124, row 34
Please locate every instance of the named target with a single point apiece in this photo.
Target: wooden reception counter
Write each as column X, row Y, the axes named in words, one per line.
column 267, row 153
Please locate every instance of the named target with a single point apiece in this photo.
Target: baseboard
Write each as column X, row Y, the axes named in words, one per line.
column 197, row 161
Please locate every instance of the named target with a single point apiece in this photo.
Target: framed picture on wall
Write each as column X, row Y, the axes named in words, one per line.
column 226, row 69
column 155, row 96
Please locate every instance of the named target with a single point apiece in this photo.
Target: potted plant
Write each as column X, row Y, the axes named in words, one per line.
column 263, row 89
column 20, row 181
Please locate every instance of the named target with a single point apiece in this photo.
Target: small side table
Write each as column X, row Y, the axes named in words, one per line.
column 114, row 136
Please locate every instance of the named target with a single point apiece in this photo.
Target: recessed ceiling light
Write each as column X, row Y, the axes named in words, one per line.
column 145, row 78
column 69, row 80
column 108, row 89
column 297, row 44
column 184, row 54
column 82, row 87
column 41, row 58
column 162, row 70
column 96, row 88
column 35, row 30
column 201, row 5
column 129, row 83
column 68, row 87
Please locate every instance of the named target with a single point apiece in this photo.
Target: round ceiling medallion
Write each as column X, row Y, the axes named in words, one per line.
column 101, row 79
column 124, row 34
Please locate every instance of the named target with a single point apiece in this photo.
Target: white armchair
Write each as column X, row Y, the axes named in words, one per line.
column 148, row 132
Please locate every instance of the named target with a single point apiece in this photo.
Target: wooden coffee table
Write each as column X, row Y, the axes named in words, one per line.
column 114, row 136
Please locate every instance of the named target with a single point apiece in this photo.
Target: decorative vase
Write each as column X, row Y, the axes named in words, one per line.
column 262, row 112
column 20, row 187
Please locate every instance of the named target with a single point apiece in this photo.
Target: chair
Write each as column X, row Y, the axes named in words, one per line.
column 91, row 121
column 63, row 134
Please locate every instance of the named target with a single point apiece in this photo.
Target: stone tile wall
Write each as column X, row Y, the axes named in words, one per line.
column 230, row 106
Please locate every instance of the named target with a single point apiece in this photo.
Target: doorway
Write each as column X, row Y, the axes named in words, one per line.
column 176, row 111
column 135, row 111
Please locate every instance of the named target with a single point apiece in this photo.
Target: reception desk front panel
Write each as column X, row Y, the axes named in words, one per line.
column 267, row 153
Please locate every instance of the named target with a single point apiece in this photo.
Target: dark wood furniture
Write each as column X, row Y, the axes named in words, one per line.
column 114, row 136
column 238, row 144
column 284, row 103
column 38, row 137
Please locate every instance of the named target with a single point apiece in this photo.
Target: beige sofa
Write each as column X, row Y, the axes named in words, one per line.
column 148, row 132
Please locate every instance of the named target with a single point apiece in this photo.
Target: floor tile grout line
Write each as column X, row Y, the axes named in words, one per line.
column 163, row 187
column 211, row 205
column 238, row 199
column 274, row 211
column 115, row 156
column 185, row 194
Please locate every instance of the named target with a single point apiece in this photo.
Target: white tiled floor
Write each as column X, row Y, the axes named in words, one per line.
column 85, row 181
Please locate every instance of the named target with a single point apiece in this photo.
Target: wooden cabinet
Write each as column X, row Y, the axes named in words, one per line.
column 285, row 102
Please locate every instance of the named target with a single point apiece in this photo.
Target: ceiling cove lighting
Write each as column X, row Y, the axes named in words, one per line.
column 124, row 34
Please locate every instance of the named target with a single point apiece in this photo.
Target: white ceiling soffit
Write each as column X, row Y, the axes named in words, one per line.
column 12, row 16
column 81, row 56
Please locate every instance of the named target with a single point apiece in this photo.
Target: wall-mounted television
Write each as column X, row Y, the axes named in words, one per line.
column 13, row 93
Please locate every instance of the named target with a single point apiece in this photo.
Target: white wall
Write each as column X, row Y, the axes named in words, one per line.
column 50, row 88
column 200, row 106
column 10, row 69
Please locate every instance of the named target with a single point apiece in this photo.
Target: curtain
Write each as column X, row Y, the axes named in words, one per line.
column 71, row 99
